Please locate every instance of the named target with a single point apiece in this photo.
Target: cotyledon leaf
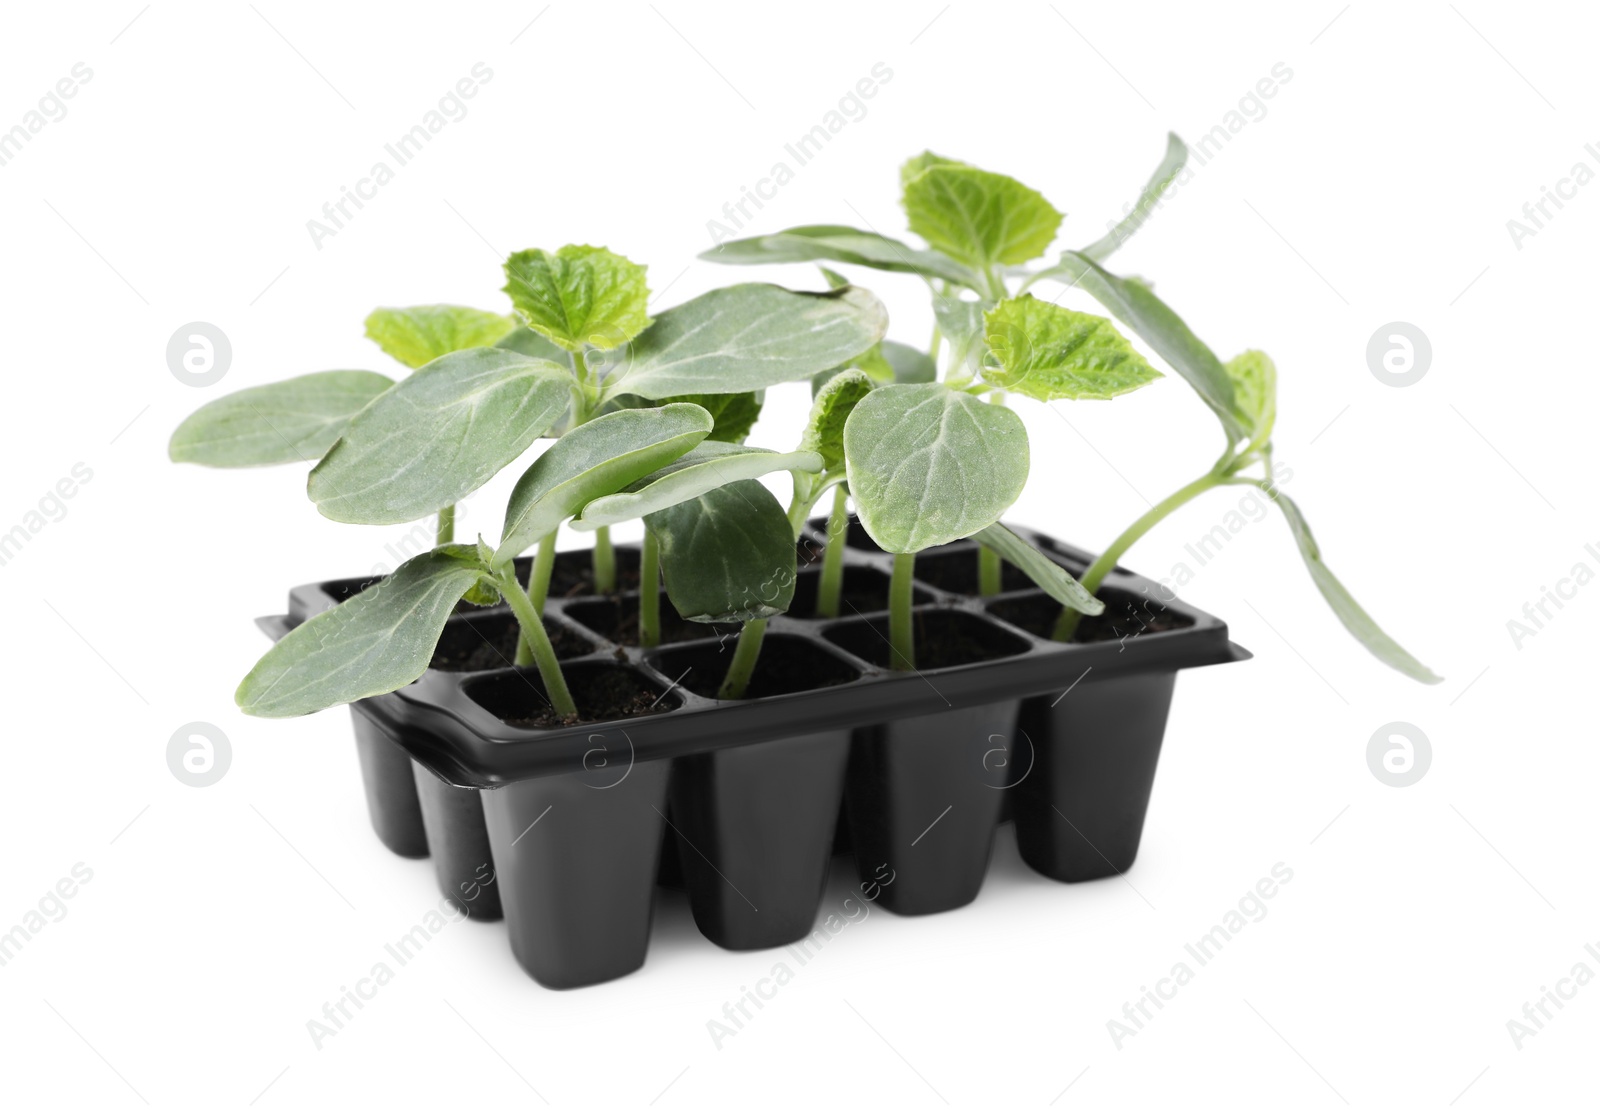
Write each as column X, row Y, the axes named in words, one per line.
column 1171, row 165
column 289, row 421
column 593, row 460
column 928, row 465
column 379, row 640
column 836, row 243
column 1046, row 573
column 727, row 555
column 747, row 337
column 438, row 435
column 709, row 465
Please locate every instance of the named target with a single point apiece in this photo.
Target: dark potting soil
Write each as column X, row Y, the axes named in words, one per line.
column 941, row 638
column 617, row 619
column 788, row 664
column 1127, row 616
column 601, row 695
column 490, row 642
column 863, row 590
column 956, row 572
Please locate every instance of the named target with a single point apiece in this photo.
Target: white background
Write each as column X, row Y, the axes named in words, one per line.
column 1376, row 188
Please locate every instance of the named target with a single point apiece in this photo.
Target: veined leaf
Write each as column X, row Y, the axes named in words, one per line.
column 438, row 435
column 928, row 465
column 1345, row 607
column 1255, row 391
column 1051, row 353
column 379, row 640
column 416, row 336
column 1147, row 315
column 579, row 295
column 747, row 337
column 593, row 460
column 526, row 341
column 914, row 165
column 834, row 403
column 836, row 243
column 1171, row 165
column 977, row 217
column 727, row 555
column 708, row 466
column 290, row 421
column 1046, row 573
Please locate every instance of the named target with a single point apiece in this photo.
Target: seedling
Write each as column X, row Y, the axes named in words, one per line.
column 929, row 463
column 617, row 386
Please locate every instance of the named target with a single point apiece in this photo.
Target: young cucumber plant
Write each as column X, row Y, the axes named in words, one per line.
column 625, row 392
column 981, row 228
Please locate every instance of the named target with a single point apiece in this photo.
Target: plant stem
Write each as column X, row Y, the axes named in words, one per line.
column 650, row 591
column 538, row 589
column 605, row 562
column 1067, row 623
column 445, row 531
column 988, row 571
column 744, row 660
column 902, row 644
column 831, row 583
column 544, row 655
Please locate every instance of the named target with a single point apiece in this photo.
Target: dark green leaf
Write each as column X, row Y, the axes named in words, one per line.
column 727, row 555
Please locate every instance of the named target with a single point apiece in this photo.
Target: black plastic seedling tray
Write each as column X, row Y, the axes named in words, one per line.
column 561, row 828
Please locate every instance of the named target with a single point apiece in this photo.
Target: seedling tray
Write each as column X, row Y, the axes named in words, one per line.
column 562, row 827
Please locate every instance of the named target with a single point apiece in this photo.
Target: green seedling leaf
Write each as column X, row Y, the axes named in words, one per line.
column 835, row 243
column 289, row 421
column 928, row 465
column 379, row 640
column 913, row 166
column 734, row 413
column 1255, row 391
column 1051, row 353
column 708, row 466
column 979, row 218
column 1046, row 573
column 416, row 336
column 748, row 337
column 908, row 365
column 727, row 555
column 579, row 295
column 1345, row 607
column 526, row 341
column 1147, row 315
column 961, row 324
column 593, row 460
column 438, row 435
column 834, row 403
column 1171, row 165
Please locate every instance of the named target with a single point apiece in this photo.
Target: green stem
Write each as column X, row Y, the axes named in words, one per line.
column 744, row 660
column 544, row 655
column 988, row 571
column 445, row 531
column 538, row 589
column 650, row 591
column 605, row 562
column 831, row 583
column 1067, row 623
column 902, row 644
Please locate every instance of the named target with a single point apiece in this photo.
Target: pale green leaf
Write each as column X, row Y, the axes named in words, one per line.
column 727, row 555
column 961, row 324
column 748, row 337
column 710, row 465
column 913, row 166
column 1051, row 353
column 835, row 243
column 1046, row 573
column 1171, row 165
column 979, row 218
column 593, row 460
column 526, row 341
column 928, row 465
column 834, row 403
column 290, row 421
column 438, row 435
column 1149, row 318
column 1345, row 607
column 579, row 295
column 416, row 336
column 1255, row 391
column 908, row 365
column 378, row 641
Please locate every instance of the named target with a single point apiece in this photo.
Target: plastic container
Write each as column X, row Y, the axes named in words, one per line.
column 749, row 793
